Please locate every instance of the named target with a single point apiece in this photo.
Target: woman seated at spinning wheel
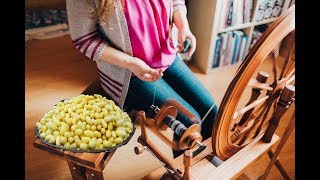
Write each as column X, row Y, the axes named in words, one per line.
column 130, row 41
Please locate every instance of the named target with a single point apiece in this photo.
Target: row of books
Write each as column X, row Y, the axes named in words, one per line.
column 230, row 48
column 234, row 12
column 271, row 8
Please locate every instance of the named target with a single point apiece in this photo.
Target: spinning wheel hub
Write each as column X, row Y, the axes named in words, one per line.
column 190, row 137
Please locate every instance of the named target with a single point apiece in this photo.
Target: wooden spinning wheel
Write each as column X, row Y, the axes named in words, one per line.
column 238, row 125
column 255, row 101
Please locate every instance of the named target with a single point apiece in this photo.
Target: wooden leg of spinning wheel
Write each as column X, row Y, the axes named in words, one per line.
column 77, row 172
column 143, row 140
column 283, row 104
column 282, row 142
column 141, row 116
column 279, row 165
column 187, row 163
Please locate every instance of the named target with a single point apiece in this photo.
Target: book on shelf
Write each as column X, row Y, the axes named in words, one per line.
column 238, row 39
column 247, row 12
column 244, row 42
column 223, row 49
column 230, row 48
column 217, row 52
column 223, row 12
column 229, row 13
column 235, row 12
column 237, row 16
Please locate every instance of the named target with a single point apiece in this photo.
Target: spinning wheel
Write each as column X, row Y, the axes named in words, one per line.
column 255, row 101
column 239, row 120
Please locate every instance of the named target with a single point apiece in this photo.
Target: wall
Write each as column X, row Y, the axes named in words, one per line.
column 45, row 4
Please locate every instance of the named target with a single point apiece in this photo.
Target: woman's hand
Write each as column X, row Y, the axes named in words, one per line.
column 143, row 71
column 183, row 34
column 135, row 65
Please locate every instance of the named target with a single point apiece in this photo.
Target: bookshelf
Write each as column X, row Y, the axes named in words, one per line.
column 205, row 18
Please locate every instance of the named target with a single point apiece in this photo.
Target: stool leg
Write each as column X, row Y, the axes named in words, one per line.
column 94, row 175
column 77, row 172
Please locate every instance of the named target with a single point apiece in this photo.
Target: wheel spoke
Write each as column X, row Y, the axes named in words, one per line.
column 263, row 119
column 239, row 127
column 291, row 71
column 288, row 58
column 245, row 135
column 256, row 121
column 254, row 117
column 291, row 79
column 243, row 110
column 275, row 69
column 255, row 84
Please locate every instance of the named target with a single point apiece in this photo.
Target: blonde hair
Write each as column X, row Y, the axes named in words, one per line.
column 104, row 9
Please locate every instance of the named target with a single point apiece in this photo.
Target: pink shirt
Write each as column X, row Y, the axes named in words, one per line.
column 148, row 24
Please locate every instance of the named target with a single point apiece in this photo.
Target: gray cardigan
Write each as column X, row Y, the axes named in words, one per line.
column 90, row 36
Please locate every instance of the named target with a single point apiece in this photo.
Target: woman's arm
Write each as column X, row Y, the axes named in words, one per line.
column 88, row 40
column 181, row 22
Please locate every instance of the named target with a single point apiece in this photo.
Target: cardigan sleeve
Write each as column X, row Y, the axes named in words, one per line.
column 83, row 26
column 179, row 5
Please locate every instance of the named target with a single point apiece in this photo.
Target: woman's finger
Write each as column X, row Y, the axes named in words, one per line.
column 153, row 72
column 193, row 46
column 146, row 77
column 158, row 77
column 160, row 70
column 181, row 39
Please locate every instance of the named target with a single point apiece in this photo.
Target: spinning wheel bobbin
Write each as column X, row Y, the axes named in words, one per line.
column 188, row 136
column 162, row 114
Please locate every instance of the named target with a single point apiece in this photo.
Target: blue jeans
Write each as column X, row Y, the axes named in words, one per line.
column 179, row 83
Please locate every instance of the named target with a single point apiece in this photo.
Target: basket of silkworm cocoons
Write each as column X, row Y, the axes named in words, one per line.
column 85, row 123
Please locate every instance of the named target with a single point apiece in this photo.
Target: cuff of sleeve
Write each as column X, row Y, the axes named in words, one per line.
column 180, row 7
column 97, row 56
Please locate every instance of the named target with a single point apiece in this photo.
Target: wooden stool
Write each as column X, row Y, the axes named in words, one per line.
column 82, row 165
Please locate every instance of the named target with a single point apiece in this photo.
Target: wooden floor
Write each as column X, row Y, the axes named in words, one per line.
column 55, row 71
